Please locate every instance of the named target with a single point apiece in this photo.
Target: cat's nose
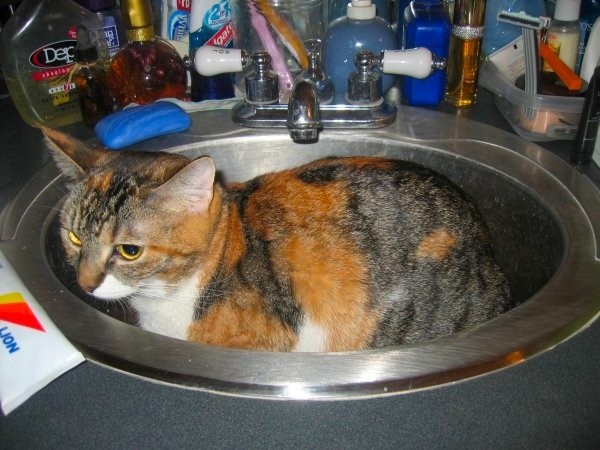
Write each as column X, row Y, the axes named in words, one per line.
column 88, row 286
column 89, row 281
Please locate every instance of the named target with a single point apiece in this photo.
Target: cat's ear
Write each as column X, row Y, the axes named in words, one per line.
column 72, row 156
column 190, row 189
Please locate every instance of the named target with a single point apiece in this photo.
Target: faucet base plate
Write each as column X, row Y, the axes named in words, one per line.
column 331, row 116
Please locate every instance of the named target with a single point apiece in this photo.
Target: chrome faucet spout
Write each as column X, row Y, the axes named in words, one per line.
column 304, row 118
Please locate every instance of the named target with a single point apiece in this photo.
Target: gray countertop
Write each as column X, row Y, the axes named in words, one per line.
column 549, row 401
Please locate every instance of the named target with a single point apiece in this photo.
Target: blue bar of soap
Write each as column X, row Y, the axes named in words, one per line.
column 138, row 123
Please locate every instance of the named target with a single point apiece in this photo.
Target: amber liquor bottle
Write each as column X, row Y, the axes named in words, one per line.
column 147, row 68
column 464, row 56
column 89, row 75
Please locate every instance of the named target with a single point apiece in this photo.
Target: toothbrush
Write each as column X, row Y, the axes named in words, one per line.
column 286, row 33
column 286, row 80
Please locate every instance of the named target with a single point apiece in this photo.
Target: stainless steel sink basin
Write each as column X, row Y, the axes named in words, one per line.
column 543, row 215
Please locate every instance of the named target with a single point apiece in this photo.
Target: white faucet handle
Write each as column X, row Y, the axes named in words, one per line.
column 210, row 60
column 414, row 62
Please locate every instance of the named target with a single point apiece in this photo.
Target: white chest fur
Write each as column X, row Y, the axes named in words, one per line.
column 161, row 309
column 312, row 338
column 166, row 311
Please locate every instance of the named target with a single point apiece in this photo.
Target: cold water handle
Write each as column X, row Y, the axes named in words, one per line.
column 364, row 85
column 414, row 62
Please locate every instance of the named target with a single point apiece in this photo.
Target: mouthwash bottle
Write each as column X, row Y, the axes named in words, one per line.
column 360, row 29
column 89, row 76
column 426, row 24
column 37, row 54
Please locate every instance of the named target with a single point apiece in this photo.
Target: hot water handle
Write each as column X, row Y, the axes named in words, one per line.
column 210, row 60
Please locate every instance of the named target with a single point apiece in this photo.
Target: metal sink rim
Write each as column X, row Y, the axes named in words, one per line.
column 361, row 374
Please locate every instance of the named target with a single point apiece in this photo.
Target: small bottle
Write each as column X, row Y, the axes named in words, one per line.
column 563, row 38
column 427, row 24
column 591, row 56
column 401, row 9
column 588, row 16
column 90, row 79
column 36, row 54
column 359, row 30
column 564, row 33
column 148, row 67
column 464, row 56
column 210, row 24
column 112, row 24
column 158, row 12
column 587, row 132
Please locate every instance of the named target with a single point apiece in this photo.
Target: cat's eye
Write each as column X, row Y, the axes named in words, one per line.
column 128, row 251
column 74, row 238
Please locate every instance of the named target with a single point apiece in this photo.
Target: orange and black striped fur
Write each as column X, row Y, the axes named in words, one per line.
column 339, row 254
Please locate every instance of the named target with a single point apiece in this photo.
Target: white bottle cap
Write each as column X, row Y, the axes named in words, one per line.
column 360, row 10
column 567, row 10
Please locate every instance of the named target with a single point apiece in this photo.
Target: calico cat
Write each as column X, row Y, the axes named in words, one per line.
column 338, row 254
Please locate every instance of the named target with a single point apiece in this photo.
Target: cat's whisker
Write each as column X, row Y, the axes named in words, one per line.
column 51, row 208
column 172, row 298
column 149, row 288
column 62, row 188
column 200, row 300
column 125, row 306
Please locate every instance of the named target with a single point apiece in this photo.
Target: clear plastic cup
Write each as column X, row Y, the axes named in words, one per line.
column 280, row 28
